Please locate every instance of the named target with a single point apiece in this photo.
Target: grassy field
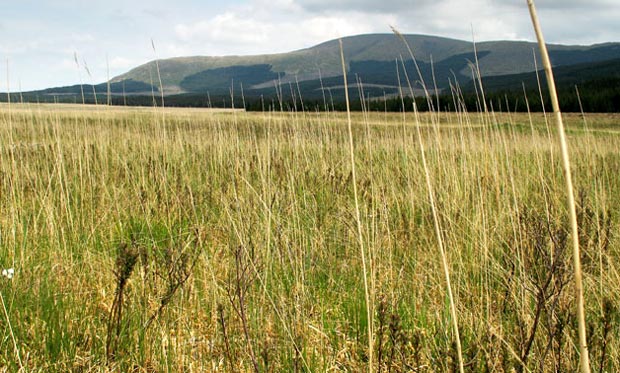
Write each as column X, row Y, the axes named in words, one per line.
column 192, row 240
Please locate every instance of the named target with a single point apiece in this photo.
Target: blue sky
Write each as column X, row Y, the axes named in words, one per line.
column 39, row 39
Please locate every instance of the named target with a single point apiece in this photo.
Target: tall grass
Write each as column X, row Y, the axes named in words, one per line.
column 266, row 202
column 431, row 198
column 583, row 345
column 358, row 219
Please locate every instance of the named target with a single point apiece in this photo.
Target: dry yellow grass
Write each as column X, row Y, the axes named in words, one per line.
column 269, row 196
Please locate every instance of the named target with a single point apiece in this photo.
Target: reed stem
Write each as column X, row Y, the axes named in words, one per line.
column 357, row 215
column 583, row 345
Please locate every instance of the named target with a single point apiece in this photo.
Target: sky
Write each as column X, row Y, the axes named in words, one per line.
column 40, row 39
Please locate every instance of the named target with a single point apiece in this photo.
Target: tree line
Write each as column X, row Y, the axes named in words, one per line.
column 599, row 95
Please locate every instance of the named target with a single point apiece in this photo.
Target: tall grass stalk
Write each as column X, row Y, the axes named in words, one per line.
column 544, row 111
column 369, row 311
column 583, row 345
column 77, row 64
column 161, row 84
column 431, row 198
column 8, row 321
column 108, row 86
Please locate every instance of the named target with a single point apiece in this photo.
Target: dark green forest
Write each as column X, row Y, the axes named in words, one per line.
column 598, row 95
column 373, row 85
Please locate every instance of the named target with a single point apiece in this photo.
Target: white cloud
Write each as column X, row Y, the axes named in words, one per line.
column 48, row 35
column 572, row 4
column 12, row 49
column 83, row 38
column 366, row 6
column 284, row 27
column 226, row 28
column 66, row 64
column 120, row 63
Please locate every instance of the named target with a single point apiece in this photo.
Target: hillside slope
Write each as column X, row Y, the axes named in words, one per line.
column 376, row 60
column 376, row 52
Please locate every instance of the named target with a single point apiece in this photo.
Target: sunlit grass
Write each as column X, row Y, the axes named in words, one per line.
column 267, row 198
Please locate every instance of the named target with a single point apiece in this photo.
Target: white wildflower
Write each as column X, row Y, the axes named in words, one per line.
column 8, row 273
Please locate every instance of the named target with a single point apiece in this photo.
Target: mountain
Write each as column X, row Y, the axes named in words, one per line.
column 372, row 57
column 375, row 59
column 569, row 75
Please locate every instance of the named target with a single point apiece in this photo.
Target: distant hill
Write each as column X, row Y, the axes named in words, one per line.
column 564, row 76
column 591, row 87
column 127, row 87
column 374, row 59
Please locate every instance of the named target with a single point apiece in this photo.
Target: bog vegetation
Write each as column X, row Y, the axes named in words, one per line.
column 194, row 240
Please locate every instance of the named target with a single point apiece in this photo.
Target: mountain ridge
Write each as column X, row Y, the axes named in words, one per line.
column 498, row 58
column 374, row 59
